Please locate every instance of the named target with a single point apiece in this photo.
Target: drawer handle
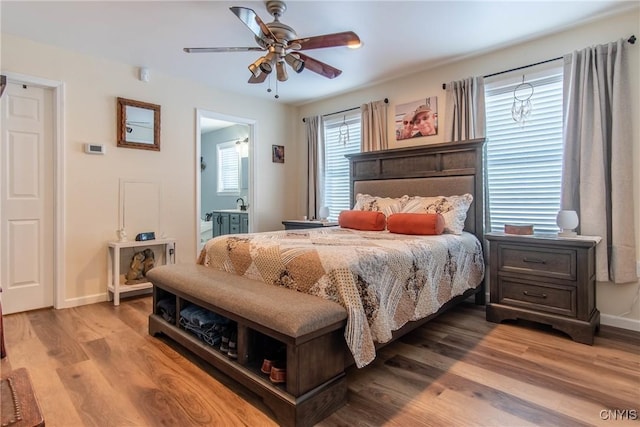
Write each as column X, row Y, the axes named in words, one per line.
column 534, row 260
column 529, row 294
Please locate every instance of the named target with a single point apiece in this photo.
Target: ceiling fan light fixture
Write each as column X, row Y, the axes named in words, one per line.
column 255, row 70
column 294, row 62
column 266, row 67
column 281, row 71
column 261, row 65
column 270, row 56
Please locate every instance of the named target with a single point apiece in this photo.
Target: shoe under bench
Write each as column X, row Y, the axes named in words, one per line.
column 311, row 328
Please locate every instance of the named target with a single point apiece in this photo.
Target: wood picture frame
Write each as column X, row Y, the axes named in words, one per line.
column 138, row 124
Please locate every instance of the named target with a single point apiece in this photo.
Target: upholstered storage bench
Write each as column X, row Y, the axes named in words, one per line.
column 311, row 328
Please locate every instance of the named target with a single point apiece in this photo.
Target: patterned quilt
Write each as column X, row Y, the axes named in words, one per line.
column 382, row 279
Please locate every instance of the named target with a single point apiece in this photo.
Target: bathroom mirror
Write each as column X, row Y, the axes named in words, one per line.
column 138, row 124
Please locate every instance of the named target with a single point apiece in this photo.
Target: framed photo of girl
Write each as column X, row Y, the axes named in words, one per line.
column 417, row 118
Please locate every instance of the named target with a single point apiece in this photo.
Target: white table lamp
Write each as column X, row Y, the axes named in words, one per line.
column 567, row 221
column 324, row 213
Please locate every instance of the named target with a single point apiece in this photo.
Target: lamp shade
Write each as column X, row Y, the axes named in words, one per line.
column 567, row 221
column 324, row 213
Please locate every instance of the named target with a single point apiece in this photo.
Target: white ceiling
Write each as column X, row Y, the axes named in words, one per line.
column 399, row 37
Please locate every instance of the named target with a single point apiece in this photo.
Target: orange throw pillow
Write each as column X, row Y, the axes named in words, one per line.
column 416, row 223
column 362, row 220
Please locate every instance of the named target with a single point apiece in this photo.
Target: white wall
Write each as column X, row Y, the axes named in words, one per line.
column 618, row 304
column 91, row 183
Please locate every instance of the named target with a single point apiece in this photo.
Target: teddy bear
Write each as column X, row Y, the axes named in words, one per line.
column 136, row 269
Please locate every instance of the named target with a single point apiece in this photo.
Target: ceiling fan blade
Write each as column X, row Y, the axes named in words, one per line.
column 261, row 78
column 319, row 67
column 254, row 23
column 347, row 38
column 221, row 49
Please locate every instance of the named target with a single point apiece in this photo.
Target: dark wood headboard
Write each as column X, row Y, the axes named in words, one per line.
column 446, row 169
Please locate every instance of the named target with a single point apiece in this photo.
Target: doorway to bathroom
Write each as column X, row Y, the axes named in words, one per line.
column 224, row 174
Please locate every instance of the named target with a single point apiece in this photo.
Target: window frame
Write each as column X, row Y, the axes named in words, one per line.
column 335, row 170
column 221, row 189
column 514, row 146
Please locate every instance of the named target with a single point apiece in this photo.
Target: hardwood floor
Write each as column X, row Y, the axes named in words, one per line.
column 96, row 365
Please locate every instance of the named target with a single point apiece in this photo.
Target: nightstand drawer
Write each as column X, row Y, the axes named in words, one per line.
column 558, row 300
column 542, row 261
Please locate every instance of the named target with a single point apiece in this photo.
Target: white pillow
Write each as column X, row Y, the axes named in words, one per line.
column 453, row 209
column 386, row 205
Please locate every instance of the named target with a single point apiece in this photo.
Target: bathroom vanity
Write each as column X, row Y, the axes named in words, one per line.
column 229, row 221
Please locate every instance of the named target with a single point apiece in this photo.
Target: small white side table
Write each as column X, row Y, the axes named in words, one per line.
column 116, row 281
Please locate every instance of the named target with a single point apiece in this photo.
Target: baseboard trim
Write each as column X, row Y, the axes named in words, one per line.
column 96, row 298
column 89, row 299
column 620, row 322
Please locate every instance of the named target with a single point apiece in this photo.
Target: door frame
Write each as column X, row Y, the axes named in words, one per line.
column 57, row 88
column 202, row 113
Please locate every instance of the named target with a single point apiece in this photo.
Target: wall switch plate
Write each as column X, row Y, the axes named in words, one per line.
column 94, row 148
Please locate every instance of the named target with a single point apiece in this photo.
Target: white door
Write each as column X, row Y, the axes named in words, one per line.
column 26, row 186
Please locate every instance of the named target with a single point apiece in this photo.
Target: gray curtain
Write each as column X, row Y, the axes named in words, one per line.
column 466, row 119
column 597, row 176
column 465, row 112
column 315, row 165
column 374, row 126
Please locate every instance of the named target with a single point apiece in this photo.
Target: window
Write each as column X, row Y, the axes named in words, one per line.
column 228, row 168
column 524, row 163
column 336, row 169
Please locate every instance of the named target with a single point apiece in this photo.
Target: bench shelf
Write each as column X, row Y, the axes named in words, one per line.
column 310, row 394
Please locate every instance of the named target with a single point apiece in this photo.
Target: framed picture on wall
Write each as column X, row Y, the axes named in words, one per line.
column 277, row 154
column 416, row 119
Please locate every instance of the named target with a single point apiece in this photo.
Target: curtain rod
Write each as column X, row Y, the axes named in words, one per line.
column 386, row 101
column 631, row 40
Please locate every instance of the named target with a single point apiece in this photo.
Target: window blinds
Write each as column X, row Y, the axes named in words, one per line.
column 524, row 163
column 336, row 168
column 228, row 168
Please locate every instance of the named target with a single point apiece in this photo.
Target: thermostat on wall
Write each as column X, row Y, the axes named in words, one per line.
column 94, row 148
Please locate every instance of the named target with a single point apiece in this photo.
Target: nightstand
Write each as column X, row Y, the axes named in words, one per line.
column 294, row 224
column 546, row 279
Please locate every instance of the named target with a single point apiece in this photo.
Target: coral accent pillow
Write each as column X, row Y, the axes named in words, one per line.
column 416, row 223
column 362, row 220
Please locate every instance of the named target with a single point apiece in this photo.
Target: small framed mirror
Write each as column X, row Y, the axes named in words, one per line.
column 138, row 124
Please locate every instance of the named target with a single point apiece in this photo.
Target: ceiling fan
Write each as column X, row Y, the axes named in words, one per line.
column 282, row 45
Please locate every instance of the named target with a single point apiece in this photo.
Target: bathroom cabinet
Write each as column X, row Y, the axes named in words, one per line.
column 230, row 222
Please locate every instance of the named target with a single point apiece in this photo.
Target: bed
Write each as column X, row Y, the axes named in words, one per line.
column 384, row 280
column 277, row 258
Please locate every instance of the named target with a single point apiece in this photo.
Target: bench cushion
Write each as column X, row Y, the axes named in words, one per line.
column 289, row 312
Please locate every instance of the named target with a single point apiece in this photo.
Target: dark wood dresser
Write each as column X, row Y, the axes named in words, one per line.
column 544, row 279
